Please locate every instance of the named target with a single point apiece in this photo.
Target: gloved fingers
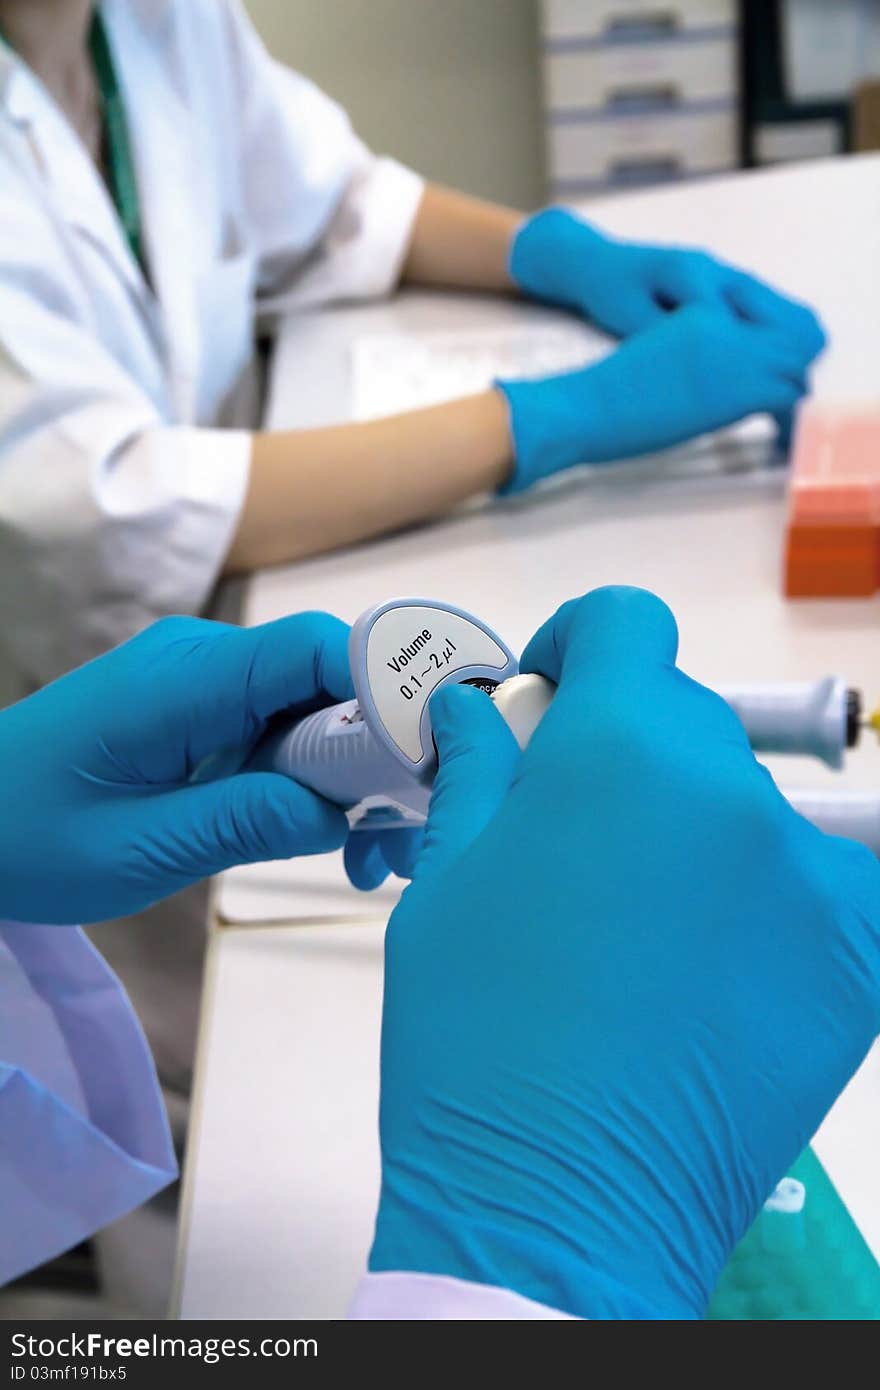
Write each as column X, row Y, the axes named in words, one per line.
column 370, row 855
column 760, row 304
column 793, row 388
column 634, row 309
column 795, row 383
column 788, row 382
column 197, row 831
column 365, row 863
column 790, row 385
column 685, row 277
column 693, row 277
column 478, row 757
column 785, row 395
column 612, row 655
column 403, row 849
column 780, row 350
column 294, row 662
column 616, row 626
column 784, row 420
column 214, row 687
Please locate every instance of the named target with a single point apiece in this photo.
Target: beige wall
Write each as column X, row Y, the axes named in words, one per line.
column 448, row 86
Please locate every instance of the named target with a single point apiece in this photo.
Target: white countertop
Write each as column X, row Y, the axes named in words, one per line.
column 282, row 1170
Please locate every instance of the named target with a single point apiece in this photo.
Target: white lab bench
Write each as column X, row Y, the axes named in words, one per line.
column 282, row 1166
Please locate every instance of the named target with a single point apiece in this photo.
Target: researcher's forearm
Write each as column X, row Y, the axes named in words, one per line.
column 461, row 242
column 317, row 490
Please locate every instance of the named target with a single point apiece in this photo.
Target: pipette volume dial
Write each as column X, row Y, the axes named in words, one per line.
column 375, row 755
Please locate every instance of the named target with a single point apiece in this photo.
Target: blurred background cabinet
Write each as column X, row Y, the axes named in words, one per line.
column 521, row 100
column 638, row 93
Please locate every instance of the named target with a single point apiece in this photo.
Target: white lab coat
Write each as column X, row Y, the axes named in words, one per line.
column 120, row 477
column 125, row 406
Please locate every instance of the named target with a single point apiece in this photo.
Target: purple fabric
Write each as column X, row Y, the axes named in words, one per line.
column 83, row 1133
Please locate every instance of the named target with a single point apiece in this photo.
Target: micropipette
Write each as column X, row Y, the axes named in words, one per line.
column 820, row 718
column 374, row 755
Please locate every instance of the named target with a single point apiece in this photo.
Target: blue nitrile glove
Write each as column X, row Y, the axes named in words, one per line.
column 624, row 988
column 371, row 855
column 624, row 286
column 98, row 816
column 694, row 371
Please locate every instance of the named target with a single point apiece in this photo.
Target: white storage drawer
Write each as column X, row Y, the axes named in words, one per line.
column 643, row 149
column 607, row 20
column 616, row 76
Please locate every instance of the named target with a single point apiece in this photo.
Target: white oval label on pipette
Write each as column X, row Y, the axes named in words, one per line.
column 410, row 649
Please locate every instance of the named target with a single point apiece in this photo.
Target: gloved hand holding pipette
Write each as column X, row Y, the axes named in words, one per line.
column 100, row 814
column 622, row 992
column 624, row 988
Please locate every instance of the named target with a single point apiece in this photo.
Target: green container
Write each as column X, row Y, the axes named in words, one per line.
column 807, row 1265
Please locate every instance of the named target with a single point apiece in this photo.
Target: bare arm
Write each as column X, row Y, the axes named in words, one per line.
column 461, row 242
column 317, row 490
